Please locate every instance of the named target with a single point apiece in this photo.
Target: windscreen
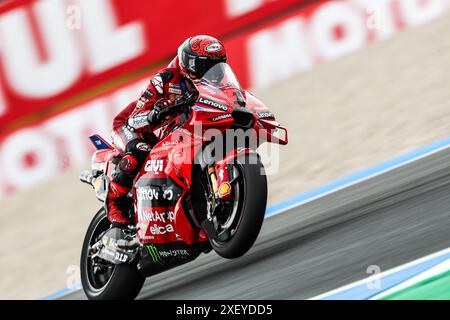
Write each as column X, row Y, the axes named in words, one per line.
column 221, row 76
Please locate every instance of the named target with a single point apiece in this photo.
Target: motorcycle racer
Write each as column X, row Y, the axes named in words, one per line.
column 132, row 128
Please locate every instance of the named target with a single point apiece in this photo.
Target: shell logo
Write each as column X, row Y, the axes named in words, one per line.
column 224, row 189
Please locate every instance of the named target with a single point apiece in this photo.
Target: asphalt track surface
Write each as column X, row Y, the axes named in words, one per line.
column 388, row 220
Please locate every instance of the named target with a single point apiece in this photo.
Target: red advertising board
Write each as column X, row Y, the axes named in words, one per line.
column 322, row 31
column 55, row 54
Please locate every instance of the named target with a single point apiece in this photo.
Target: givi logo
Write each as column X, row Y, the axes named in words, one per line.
column 155, row 166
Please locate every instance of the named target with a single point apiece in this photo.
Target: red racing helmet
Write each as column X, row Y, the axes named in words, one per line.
column 198, row 54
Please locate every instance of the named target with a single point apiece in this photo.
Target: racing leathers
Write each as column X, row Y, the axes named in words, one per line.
column 133, row 136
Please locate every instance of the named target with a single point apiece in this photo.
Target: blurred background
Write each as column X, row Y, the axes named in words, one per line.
column 355, row 82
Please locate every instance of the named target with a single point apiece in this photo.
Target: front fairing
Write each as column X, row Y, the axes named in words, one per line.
column 218, row 105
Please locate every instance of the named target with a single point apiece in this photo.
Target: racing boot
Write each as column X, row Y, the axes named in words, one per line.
column 117, row 204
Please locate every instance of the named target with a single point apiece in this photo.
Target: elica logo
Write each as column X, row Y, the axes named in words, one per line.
column 155, row 166
column 157, row 230
column 215, row 47
column 214, row 104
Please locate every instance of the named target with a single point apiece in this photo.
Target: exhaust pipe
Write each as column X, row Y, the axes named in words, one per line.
column 128, row 244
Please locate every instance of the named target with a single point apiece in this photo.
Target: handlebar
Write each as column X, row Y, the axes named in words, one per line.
column 169, row 110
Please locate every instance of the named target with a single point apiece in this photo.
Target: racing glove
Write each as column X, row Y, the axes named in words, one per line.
column 160, row 105
column 146, row 118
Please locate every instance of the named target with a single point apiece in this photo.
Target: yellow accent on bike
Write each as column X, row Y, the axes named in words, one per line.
column 224, row 189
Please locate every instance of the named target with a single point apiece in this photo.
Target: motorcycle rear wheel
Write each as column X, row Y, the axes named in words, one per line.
column 251, row 191
column 115, row 282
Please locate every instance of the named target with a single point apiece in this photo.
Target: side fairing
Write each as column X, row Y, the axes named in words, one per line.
column 159, row 191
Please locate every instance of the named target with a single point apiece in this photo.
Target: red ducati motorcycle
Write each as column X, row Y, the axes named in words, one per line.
column 203, row 187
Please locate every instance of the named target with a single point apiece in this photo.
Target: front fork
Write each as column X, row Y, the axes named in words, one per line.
column 219, row 176
column 219, row 179
column 217, row 200
column 221, row 192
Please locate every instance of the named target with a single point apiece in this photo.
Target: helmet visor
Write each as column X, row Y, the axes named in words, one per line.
column 198, row 66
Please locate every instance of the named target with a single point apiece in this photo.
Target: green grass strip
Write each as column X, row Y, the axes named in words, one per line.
column 434, row 288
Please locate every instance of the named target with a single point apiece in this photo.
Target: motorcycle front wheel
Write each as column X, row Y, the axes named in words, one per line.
column 243, row 222
column 102, row 280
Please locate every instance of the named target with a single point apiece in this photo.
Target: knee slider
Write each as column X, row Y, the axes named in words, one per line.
column 123, row 178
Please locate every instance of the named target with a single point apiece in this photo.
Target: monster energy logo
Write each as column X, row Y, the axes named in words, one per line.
column 154, row 254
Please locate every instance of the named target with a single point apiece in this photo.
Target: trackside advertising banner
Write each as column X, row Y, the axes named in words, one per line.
column 68, row 62
column 54, row 53
column 320, row 32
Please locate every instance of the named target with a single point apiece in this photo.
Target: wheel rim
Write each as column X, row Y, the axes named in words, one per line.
column 98, row 271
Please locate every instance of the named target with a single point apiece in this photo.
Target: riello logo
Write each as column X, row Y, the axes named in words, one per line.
column 47, row 56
